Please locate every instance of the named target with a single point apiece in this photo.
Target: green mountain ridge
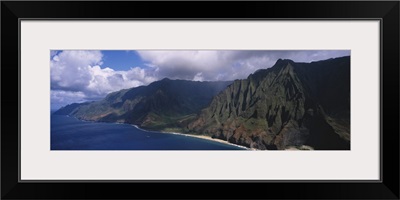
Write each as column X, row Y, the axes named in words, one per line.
column 159, row 105
column 289, row 104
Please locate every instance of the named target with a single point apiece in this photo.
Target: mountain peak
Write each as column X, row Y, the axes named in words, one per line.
column 165, row 79
column 271, row 109
column 281, row 62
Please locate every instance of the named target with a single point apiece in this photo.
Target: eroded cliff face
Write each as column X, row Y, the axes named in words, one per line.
column 290, row 104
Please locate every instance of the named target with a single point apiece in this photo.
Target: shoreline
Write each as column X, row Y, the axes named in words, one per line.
column 205, row 137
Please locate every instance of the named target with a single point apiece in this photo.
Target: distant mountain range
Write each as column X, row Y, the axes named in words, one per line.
column 290, row 105
column 162, row 104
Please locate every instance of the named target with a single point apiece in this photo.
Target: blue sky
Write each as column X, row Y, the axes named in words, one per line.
column 86, row 75
column 121, row 60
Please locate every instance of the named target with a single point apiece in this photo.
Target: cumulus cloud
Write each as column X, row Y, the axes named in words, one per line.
column 225, row 64
column 76, row 76
column 61, row 98
column 198, row 77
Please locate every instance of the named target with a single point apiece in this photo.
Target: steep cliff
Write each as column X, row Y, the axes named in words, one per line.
column 289, row 104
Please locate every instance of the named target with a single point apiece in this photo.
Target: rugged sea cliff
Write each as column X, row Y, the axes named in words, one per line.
column 289, row 105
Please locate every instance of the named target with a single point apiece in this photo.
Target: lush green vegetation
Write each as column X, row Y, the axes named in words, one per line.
column 290, row 104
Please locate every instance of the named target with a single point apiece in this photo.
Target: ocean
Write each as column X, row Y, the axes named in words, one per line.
column 69, row 133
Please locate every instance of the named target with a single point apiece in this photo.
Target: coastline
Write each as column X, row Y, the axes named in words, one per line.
column 205, row 137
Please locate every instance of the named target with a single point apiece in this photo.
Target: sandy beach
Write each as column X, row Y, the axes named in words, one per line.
column 205, row 137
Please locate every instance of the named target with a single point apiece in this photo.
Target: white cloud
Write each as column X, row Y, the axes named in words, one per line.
column 76, row 76
column 61, row 98
column 185, row 64
column 224, row 64
column 53, row 53
column 198, row 77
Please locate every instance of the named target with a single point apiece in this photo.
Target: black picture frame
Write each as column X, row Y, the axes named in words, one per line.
column 386, row 11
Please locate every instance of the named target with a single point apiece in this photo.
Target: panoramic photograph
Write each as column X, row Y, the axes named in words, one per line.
column 200, row 99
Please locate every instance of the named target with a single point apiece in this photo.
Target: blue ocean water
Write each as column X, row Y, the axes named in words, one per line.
column 69, row 133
